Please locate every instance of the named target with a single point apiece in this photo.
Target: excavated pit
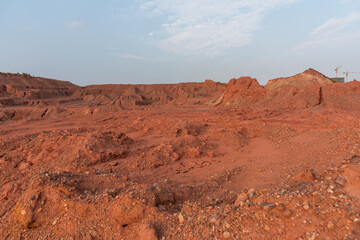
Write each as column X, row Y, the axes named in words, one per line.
column 180, row 161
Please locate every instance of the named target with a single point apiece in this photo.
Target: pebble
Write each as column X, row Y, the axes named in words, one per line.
column 306, row 205
column 330, row 225
column 240, row 199
column 267, row 228
column 146, row 232
column 181, row 218
column 251, row 192
column 329, row 190
column 162, row 208
column 114, row 164
column 287, row 213
column 88, row 237
column 268, row 206
column 341, row 181
column 125, row 178
column 312, row 237
column 32, row 197
column 93, row 233
column 226, row 234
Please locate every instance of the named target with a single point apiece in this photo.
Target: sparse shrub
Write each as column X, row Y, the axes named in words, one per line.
column 26, row 74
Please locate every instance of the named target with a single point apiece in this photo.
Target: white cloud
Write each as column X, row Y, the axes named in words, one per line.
column 74, row 24
column 208, row 26
column 333, row 32
column 334, row 25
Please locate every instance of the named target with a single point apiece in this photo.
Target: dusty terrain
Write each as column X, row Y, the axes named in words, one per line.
column 180, row 161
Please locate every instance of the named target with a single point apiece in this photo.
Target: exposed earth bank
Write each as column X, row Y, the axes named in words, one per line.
column 180, row 161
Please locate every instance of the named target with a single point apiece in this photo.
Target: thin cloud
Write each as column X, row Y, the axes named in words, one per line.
column 74, row 24
column 208, row 26
column 333, row 31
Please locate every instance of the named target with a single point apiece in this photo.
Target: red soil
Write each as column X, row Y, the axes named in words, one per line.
column 309, row 77
column 180, row 161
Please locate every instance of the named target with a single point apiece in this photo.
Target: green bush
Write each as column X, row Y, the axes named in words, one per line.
column 26, row 74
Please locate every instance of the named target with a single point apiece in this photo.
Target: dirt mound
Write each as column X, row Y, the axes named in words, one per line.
column 34, row 113
column 157, row 94
column 179, row 171
column 69, row 150
column 293, row 97
column 286, row 93
column 304, row 90
column 308, row 77
column 26, row 81
column 24, row 97
column 64, row 200
column 344, row 96
column 171, row 151
column 241, row 92
column 300, row 91
column 25, row 90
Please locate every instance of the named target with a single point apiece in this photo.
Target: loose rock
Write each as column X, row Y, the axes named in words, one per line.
column 226, row 235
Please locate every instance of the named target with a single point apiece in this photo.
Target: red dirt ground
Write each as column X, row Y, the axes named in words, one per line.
column 180, row 161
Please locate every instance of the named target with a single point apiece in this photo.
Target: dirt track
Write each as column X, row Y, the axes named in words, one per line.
column 188, row 161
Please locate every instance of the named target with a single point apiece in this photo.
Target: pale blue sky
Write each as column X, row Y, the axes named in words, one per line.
column 170, row 41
